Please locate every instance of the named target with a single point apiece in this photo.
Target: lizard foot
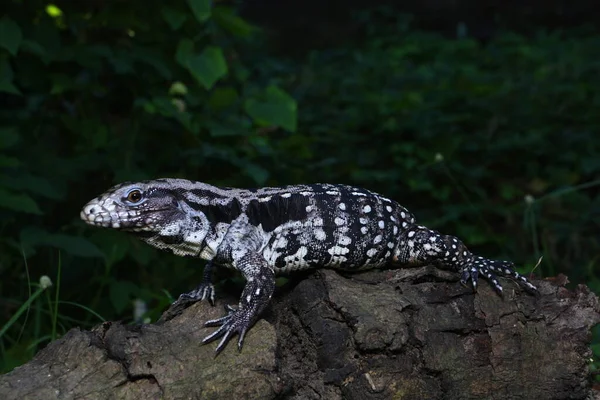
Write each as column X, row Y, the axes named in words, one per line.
column 203, row 291
column 489, row 268
column 236, row 321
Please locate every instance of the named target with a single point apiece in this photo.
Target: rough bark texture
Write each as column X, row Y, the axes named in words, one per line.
column 377, row 335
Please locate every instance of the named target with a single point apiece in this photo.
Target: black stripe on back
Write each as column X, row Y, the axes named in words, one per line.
column 277, row 211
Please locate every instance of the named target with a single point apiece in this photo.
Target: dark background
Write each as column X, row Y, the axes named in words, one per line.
column 319, row 24
column 481, row 119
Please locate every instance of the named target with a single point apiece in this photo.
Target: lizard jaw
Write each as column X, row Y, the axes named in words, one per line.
column 97, row 214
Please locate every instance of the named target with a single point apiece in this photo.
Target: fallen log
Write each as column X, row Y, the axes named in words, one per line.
column 401, row 334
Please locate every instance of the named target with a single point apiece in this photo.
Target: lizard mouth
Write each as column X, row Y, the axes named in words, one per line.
column 104, row 218
column 131, row 220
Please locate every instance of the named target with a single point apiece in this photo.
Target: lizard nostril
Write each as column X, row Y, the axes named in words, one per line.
column 90, row 210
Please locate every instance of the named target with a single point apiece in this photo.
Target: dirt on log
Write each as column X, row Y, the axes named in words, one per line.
column 376, row 335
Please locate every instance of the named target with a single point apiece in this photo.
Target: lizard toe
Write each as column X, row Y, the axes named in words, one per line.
column 237, row 321
column 204, row 291
column 469, row 273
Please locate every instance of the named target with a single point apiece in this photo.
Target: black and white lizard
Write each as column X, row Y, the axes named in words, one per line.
column 264, row 232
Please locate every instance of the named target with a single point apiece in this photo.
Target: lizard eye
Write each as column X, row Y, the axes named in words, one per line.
column 134, row 196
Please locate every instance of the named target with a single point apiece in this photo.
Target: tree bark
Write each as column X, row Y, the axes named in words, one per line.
column 401, row 334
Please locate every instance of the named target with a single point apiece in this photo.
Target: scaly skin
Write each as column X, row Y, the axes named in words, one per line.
column 268, row 231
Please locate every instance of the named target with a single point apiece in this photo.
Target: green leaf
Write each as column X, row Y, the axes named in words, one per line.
column 276, row 108
column 152, row 58
column 34, row 48
column 9, row 136
column 220, row 130
column 186, row 119
column 184, row 52
column 25, row 182
column 241, row 73
column 62, row 83
column 8, row 87
column 173, row 17
column 9, row 161
column 226, row 18
column 201, row 9
column 122, row 62
column 164, row 106
column 18, row 202
column 74, row 245
column 257, row 173
column 223, row 97
column 121, row 293
column 6, row 72
column 209, row 66
column 10, row 35
column 596, row 349
column 111, row 244
column 6, row 77
column 142, row 254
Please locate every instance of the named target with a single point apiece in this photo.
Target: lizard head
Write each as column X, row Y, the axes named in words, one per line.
column 138, row 207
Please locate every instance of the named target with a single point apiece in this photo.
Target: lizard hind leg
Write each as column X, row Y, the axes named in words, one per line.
column 421, row 245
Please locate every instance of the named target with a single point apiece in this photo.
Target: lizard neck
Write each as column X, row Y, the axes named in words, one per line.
column 205, row 213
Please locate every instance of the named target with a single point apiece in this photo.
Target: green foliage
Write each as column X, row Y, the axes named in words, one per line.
column 496, row 143
column 90, row 97
column 276, row 107
column 10, row 35
column 208, row 67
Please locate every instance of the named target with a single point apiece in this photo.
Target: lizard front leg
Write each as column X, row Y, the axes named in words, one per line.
column 260, row 284
column 205, row 290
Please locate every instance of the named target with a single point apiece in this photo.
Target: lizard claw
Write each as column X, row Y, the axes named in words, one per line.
column 473, row 272
column 469, row 274
column 487, row 268
column 205, row 290
column 236, row 321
